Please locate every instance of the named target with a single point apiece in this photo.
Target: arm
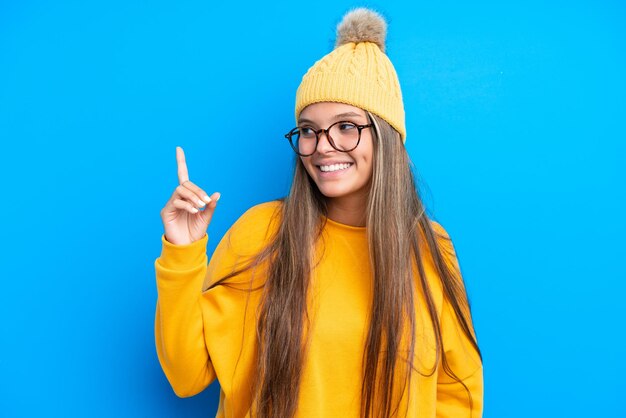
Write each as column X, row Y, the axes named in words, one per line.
column 453, row 399
column 181, row 326
column 179, row 330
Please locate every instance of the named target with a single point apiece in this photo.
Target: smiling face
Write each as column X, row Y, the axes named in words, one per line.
column 340, row 176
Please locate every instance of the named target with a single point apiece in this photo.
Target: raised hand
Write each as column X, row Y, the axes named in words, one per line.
column 183, row 218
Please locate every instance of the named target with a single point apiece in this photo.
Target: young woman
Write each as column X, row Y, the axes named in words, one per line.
column 340, row 300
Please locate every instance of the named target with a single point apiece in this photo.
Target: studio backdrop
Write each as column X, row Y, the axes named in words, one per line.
column 515, row 126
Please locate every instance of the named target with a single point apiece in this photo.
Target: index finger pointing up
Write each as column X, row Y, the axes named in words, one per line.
column 183, row 175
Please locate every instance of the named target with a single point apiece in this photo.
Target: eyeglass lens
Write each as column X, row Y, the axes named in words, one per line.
column 344, row 136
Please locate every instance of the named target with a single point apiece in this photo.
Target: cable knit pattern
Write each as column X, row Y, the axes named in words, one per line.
column 359, row 74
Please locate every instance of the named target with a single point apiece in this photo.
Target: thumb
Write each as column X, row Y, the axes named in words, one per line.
column 207, row 213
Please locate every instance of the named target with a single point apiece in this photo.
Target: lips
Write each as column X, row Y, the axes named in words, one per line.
column 331, row 162
column 334, row 167
column 334, row 171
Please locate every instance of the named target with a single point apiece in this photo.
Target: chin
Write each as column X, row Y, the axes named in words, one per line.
column 334, row 191
column 330, row 191
column 332, row 194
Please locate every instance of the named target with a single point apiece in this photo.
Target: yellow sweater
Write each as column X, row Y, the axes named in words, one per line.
column 203, row 335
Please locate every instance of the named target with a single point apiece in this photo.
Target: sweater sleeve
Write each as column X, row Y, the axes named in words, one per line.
column 197, row 329
column 179, row 332
column 453, row 397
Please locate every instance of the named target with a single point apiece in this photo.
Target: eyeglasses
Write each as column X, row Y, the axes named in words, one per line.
column 343, row 136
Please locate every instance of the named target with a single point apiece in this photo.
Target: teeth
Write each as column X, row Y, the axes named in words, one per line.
column 334, row 167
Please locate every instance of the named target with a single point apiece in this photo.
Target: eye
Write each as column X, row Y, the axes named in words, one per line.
column 307, row 132
column 346, row 126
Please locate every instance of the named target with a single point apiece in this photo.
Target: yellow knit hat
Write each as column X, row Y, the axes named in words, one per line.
column 357, row 72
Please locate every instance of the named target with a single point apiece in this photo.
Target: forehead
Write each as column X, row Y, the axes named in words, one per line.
column 325, row 110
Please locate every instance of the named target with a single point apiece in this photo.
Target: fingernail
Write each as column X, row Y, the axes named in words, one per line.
column 201, row 203
column 218, row 197
column 206, row 198
column 194, row 210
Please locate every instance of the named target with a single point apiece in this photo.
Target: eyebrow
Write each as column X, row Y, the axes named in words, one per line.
column 336, row 117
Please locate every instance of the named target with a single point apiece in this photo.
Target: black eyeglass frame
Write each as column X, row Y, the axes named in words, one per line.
column 295, row 131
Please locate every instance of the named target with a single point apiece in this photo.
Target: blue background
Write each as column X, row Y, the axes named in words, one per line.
column 515, row 118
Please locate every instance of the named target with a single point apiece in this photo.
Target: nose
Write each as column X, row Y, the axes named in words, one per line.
column 323, row 145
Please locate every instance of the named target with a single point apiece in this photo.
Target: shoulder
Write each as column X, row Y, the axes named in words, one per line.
column 444, row 250
column 249, row 235
column 439, row 229
column 255, row 227
column 442, row 237
column 259, row 216
column 263, row 209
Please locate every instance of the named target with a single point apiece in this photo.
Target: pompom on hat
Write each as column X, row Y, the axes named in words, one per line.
column 357, row 72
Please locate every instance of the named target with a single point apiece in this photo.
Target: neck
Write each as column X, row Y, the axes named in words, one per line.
column 347, row 210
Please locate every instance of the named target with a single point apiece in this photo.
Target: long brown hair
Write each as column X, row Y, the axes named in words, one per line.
column 397, row 229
